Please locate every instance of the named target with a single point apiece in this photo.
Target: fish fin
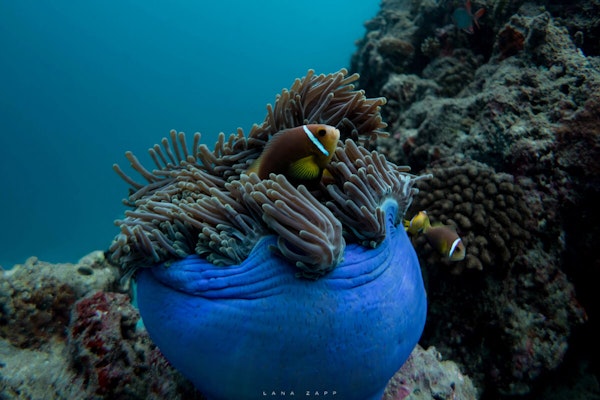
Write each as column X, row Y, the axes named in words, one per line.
column 327, row 178
column 478, row 14
column 440, row 225
column 254, row 166
column 305, row 168
column 409, row 228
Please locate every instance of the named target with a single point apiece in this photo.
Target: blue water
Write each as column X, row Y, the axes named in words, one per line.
column 81, row 82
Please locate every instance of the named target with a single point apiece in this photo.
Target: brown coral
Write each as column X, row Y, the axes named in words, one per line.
column 526, row 300
column 487, row 208
column 510, row 41
column 30, row 318
column 395, row 48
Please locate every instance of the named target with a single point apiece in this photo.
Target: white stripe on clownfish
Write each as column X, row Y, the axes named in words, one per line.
column 315, row 141
column 453, row 247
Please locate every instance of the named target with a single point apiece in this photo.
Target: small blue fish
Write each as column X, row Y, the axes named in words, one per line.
column 465, row 19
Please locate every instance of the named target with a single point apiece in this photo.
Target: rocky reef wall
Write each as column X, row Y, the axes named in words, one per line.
column 505, row 113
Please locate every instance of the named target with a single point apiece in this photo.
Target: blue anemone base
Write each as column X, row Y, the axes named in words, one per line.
column 250, row 330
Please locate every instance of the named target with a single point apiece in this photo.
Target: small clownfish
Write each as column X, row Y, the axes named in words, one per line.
column 301, row 153
column 443, row 238
column 417, row 223
column 446, row 241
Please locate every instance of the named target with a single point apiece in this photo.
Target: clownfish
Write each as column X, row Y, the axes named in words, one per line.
column 443, row 238
column 301, row 153
column 417, row 223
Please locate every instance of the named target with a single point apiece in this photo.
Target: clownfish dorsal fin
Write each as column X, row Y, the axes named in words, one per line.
column 315, row 141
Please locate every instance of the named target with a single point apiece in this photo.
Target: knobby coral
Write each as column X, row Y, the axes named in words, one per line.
column 201, row 202
column 511, row 276
column 487, row 208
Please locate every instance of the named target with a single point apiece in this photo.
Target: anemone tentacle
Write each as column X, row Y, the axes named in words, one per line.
column 197, row 201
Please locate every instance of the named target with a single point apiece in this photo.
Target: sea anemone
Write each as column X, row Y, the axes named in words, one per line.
column 250, row 285
column 200, row 202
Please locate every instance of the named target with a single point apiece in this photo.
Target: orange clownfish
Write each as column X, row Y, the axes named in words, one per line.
column 301, row 153
column 443, row 238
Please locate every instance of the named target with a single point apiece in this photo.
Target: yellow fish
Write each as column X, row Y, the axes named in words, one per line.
column 301, row 153
column 443, row 238
column 417, row 223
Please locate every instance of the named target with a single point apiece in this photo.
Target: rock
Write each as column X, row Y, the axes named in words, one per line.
column 518, row 97
column 426, row 376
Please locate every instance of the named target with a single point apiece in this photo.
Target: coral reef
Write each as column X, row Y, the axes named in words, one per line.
column 578, row 18
column 510, row 42
column 36, row 307
column 507, row 121
column 425, row 376
column 43, row 373
column 115, row 359
column 65, row 335
column 489, row 210
column 521, row 287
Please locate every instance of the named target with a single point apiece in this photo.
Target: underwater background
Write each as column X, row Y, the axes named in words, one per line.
column 82, row 82
column 497, row 100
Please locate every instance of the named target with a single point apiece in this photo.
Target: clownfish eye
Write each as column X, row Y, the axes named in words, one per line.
column 321, row 132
